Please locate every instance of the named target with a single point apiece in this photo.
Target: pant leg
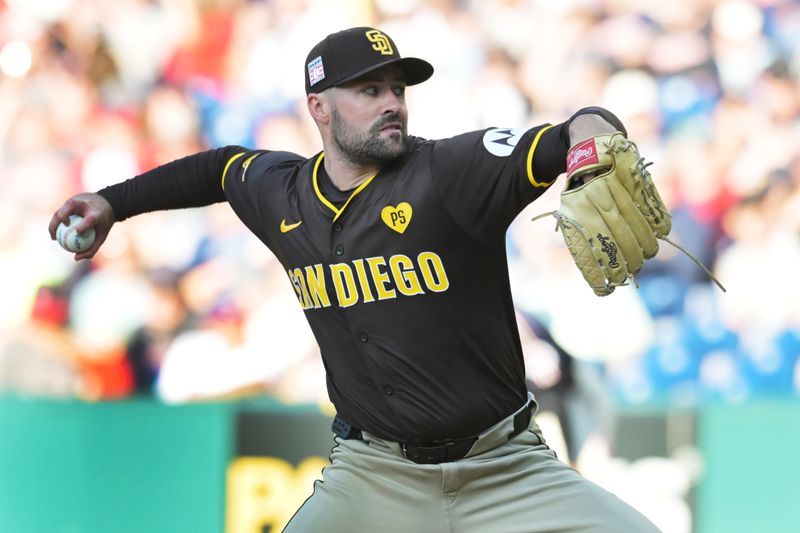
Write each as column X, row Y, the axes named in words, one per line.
column 369, row 487
column 521, row 487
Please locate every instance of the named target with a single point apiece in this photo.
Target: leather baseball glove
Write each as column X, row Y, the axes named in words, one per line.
column 611, row 215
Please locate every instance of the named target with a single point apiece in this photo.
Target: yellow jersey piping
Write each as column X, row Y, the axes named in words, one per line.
column 246, row 164
column 231, row 160
column 337, row 212
column 529, row 165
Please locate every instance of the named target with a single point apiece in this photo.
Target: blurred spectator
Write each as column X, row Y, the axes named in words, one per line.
column 211, row 361
column 574, row 404
column 760, row 240
column 41, row 358
column 147, row 345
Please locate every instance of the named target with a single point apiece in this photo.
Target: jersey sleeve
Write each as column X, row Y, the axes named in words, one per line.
column 192, row 181
column 250, row 181
column 485, row 178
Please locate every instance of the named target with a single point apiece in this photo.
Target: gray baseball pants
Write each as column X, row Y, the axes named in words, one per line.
column 501, row 486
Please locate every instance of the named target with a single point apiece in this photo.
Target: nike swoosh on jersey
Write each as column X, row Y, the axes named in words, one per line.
column 286, row 228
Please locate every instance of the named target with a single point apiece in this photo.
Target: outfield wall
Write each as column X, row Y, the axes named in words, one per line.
column 243, row 467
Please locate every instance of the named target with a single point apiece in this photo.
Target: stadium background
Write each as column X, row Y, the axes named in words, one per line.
column 171, row 384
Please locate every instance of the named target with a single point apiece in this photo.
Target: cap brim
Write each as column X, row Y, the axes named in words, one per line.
column 415, row 70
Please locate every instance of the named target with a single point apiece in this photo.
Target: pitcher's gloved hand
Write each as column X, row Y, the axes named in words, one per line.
column 611, row 215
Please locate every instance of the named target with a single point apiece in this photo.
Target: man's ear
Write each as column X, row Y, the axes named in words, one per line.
column 319, row 107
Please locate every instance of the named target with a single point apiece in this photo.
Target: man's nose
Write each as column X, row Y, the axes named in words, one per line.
column 392, row 103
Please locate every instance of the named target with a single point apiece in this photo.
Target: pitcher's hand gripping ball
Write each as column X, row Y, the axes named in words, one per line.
column 611, row 215
column 69, row 238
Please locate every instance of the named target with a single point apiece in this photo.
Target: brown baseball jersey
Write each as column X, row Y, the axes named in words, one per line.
column 403, row 280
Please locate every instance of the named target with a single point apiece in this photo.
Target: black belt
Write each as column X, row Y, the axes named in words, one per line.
column 442, row 451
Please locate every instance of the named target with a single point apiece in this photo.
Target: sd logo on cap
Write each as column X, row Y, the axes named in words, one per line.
column 344, row 56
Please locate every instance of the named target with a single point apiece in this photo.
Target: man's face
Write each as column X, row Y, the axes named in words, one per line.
column 369, row 117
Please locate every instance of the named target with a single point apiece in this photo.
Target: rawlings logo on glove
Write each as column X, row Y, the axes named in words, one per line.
column 609, row 248
column 580, row 155
column 612, row 222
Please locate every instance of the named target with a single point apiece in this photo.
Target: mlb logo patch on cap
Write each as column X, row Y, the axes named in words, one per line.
column 316, row 72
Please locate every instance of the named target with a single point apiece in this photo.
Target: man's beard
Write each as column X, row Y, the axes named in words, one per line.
column 369, row 148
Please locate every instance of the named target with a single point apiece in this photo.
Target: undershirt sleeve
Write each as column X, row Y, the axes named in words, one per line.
column 193, row 181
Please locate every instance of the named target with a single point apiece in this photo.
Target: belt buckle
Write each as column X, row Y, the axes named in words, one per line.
column 443, row 452
column 428, row 455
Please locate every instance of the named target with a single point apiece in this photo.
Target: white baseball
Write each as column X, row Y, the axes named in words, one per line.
column 69, row 238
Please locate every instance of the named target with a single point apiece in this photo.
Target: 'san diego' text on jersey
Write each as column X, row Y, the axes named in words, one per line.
column 368, row 280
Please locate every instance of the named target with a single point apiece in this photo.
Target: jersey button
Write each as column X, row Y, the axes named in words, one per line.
column 388, row 390
column 337, row 227
column 339, row 250
column 363, row 337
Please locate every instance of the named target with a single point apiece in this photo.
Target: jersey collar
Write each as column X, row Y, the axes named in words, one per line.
column 336, row 211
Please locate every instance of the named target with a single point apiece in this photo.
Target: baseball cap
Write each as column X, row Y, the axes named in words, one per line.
column 344, row 56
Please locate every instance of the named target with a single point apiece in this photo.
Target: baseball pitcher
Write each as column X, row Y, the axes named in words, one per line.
column 395, row 248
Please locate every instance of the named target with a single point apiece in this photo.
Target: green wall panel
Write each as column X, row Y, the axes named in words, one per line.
column 117, row 467
column 752, row 471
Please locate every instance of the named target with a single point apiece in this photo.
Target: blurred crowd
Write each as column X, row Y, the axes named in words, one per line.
column 187, row 305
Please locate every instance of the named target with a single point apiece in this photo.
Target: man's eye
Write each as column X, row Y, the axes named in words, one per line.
column 399, row 91
column 372, row 91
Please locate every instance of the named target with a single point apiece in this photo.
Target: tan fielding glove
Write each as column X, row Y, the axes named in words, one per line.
column 612, row 222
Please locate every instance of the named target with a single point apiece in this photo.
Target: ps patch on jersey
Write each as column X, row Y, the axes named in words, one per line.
column 502, row 141
column 316, row 72
column 397, row 218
